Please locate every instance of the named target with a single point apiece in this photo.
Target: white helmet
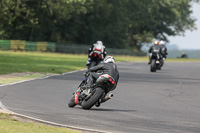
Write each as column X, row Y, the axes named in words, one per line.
column 109, row 59
column 162, row 42
column 99, row 43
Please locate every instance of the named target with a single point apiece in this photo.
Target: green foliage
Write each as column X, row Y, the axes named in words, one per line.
column 118, row 23
column 157, row 19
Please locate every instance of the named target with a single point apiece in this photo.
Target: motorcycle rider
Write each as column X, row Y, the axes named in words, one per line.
column 154, row 48
column 103, row 52
column 183, row 55
column 164, row 51
column 107, row 67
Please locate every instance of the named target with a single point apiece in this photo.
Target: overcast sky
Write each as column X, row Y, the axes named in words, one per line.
column 191, row 40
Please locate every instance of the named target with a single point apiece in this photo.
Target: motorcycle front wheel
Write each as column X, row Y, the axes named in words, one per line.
column 97, row 94
column 71, row 103
column 153, row 65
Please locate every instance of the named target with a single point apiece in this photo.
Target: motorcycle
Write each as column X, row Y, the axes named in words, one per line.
column 156, row 63
column 96, row 94
column 96, row 56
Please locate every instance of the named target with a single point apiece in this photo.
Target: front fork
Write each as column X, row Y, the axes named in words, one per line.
column 76, row 100
column 158, row 58
column 77, row 96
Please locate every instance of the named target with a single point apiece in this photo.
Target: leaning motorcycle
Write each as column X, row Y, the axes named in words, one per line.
column 96, row 56
column 96, row 94
column 155, row 62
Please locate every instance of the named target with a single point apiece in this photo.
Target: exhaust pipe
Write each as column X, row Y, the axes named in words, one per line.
column 107, row 97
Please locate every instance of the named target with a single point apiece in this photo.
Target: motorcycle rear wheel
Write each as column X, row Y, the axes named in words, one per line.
column 87, row 104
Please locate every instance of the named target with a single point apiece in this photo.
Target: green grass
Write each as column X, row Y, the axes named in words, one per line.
column 11, row 62
column 10, row 125
column 11, row 79
column 182, row 60
column 145, row 58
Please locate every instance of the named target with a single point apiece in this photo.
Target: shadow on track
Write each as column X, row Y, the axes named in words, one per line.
column 114, row 110
column 104, row 109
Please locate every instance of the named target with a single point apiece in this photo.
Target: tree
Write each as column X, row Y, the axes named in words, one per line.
column 37, row 20
column 118, row 23
column 158, row 19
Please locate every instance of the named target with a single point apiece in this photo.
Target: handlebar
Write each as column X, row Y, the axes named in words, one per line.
column 87, row 73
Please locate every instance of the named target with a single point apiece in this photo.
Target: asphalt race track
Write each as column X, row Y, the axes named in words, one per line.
column 167, row 101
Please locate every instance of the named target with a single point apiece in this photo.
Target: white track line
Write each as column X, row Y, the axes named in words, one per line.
column 43, row 121
column 39, row 78
column 47, row 122
column 18, row 82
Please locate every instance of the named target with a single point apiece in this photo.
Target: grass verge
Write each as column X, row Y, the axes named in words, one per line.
column 182, row 60
column 145, row 58
column 15, row 77
column 10, row 125
column 11, row 62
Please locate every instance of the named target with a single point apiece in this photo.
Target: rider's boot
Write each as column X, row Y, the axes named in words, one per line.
column 149, row 60
column 88, row 61
column 97, row 104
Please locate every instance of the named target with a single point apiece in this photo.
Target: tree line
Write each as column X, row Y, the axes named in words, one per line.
column 118, row 23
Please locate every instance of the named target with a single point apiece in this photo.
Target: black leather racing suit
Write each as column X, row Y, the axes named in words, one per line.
column 103, row 68
column 164, row 51
column 104, row 53
column 91, row 49
column 153, row 49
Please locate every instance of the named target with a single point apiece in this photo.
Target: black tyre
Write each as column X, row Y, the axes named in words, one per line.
column 153, row 65
column 87, row 104
column 71, row 103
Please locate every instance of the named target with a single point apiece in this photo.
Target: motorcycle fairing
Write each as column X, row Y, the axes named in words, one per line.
column 76, row 98
column 106, row 82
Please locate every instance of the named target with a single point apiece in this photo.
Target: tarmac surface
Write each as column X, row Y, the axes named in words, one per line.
column 167, row 101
